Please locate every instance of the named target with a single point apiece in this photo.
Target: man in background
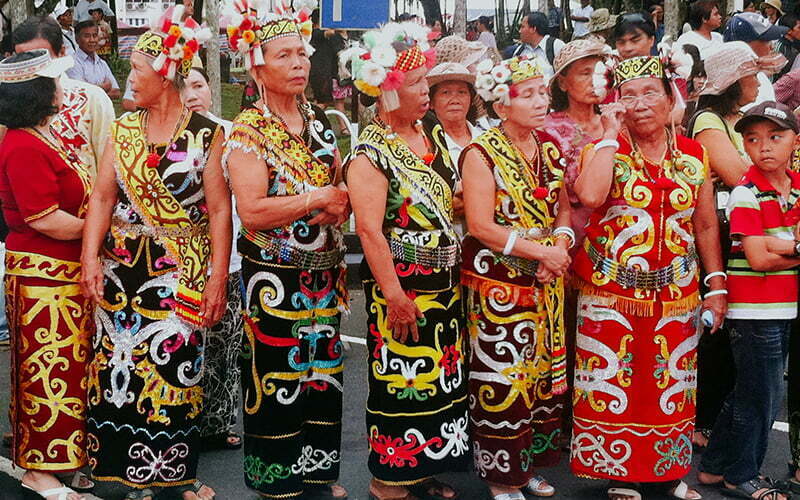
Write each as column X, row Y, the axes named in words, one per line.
column 89, row 67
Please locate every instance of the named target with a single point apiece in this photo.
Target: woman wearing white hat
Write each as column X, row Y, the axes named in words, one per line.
column 44, row 192
column 452, row 94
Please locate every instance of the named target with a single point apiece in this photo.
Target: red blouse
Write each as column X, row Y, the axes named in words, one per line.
column 35, row 181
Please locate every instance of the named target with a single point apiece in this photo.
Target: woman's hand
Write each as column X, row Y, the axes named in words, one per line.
column 718, row 304
column 215, row 299
column 333, row 204
column 544, row 276
column 554, row 260
column 458, row 200
column 611, row 117
column 92, row 280
column 402, row 315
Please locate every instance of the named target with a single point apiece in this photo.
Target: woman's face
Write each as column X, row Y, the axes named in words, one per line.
column 749, row 89
column 576, row 81
column 413, row 95
column 146, row 84
column 647, row 105
column 286, row 66
column 634, row 44
column 528, row 106
column 450, row 101
column 196, row 94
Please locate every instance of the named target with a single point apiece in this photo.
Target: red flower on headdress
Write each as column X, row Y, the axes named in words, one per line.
column 170, row 41
column 366, row 56
column 193, row 46
column 394, row 79
column 246, row 24
column 430, row 58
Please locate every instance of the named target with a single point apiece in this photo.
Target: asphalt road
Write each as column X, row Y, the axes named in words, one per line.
column 223, row 469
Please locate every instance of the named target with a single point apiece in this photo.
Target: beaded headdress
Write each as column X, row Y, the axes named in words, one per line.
column 493, row 83
column 379, row 66
column 42, row 65
column 250, row 27
column 175, row 43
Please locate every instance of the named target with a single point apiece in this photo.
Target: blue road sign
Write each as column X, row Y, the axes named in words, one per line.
column 353, row 14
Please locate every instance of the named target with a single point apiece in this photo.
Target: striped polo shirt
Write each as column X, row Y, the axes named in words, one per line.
column 755, row 208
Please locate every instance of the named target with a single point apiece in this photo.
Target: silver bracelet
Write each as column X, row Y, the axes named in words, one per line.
column 567, row 231
column 713, row 293
column 512, row 238
column 708, row 277
column 607, row 143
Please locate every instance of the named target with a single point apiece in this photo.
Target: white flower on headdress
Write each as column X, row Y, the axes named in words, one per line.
column 600, row 79
column 501, row 93
column 372, row 74
column 485, row 66
column 484, row 81
column 682, row 64
column 486, row 94
column 176, row 52
column 525, row 65
column 309, row 4
column 384, row 55
column 501, row 73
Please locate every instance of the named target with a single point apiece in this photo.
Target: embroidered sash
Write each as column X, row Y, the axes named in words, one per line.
column 186, row 242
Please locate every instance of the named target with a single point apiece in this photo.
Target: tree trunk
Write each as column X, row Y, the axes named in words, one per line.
column 543, row 7
column 20, row 10
column 500, row 19
column 526, row 7
column 672, row 19
column 432, row 11
column 212, row 55
column 460, row 18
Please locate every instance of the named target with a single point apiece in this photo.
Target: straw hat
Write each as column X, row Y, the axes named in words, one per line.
column 574, row 50
column 776, row 4
column 601, row 20
column 449, row 71
column 725, row 66
column 454, row 48
column 40, row 66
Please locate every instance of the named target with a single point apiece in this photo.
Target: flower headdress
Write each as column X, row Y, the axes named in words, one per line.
column 379, row 67
column 250, row 28
column 493, row 83
column 175, row 44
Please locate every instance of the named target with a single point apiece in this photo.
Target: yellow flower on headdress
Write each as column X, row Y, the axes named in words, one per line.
column 249, row 36
column 367, row 89
column 175, row 31
column 306, row 28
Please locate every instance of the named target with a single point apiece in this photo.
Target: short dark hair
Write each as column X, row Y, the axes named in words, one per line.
column 44, row 27
column 723, row 104
column 472, row 113
column 83, row 25
column 486, row 21
column 788, row 20
column 26, row 104
column 700, row 12
column 539, row 21
column 635, row 21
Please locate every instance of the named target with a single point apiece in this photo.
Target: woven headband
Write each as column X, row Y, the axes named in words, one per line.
column 638, row 67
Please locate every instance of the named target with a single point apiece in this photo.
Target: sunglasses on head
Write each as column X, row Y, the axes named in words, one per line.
column 634, row 17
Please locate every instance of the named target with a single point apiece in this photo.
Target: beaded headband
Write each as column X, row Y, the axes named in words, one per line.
column 174, row 48
column 247, row 32
column 638, row 67
column 493, row 83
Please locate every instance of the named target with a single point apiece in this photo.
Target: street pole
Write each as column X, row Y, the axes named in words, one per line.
column 460, row 18
column 212, row 56
column 672, row 19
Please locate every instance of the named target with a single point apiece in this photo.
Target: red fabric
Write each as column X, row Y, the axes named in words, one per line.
column 33, row 180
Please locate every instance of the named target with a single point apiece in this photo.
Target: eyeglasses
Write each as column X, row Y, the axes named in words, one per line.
column 648, row 99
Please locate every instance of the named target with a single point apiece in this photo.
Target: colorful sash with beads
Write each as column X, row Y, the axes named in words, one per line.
column 186, row 242
column 533, row 199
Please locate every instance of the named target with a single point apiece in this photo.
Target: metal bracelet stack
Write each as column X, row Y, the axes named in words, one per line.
column 439, row 257
column 628, row 277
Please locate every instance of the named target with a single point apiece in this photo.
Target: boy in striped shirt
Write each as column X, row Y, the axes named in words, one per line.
column 762, row 300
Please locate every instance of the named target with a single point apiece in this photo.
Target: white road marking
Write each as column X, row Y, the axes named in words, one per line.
column 781, row 426
column 354, row 340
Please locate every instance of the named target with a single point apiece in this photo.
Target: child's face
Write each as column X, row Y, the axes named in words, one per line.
column 768, row 145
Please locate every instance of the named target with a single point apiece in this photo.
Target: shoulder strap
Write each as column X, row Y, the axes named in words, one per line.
column 693, row 119
column 550, row 49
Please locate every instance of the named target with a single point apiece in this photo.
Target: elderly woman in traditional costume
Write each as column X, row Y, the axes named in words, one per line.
column 44, row 191
column 514, row 260
column 401, row 183
column 639, row 303
column 285, row 170
column 158, row 217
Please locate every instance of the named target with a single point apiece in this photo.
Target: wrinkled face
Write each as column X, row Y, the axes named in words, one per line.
column 286, row 66
column 87, row 39
column 450, row 101
column 715, row 19
column 196, row 94
column 769, row 146
column 528, row 105
column 576, row 81
column 647, row 105
column 146, row 84
column 634, row 44
column 413, row 95
column 65, row 19
column 749, row 88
